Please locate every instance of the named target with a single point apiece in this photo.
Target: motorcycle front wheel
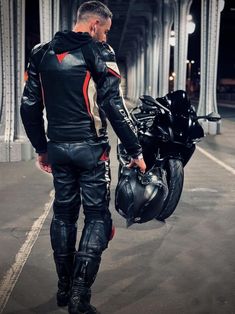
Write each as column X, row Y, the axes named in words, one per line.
column 175, row 180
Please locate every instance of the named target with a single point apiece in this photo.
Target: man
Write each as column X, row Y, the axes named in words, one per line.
column 77, row 79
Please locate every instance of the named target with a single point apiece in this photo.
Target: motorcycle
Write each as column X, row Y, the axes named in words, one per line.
column 168, row 130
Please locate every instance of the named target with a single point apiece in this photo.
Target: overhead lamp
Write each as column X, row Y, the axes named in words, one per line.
column 172, row 38
column 190, row 24
column 221, row 5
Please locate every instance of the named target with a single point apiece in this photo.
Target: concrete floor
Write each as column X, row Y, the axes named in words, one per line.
column 184, row 266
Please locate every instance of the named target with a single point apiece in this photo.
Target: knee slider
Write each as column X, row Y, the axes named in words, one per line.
column 63, row 236
column 95, row 237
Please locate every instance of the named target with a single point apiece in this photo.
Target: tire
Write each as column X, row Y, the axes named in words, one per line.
column 175, row 180
column 119, row 170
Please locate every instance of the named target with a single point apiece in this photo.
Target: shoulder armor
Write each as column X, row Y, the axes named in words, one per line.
column 39, row 47
column 106, row 51
column 38, row 52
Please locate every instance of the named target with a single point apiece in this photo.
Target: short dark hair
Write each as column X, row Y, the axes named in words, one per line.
column 93, row 7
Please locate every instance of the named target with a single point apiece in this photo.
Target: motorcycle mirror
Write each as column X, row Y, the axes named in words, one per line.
column 213, row 116
column 151, row 101
column 146, row 106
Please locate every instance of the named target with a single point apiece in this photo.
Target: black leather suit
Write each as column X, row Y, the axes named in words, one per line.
column 77, row 80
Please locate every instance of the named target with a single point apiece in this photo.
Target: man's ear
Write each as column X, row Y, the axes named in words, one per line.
column 92, row 27
column 96, row 24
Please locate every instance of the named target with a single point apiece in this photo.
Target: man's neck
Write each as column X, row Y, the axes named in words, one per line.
column 83, row 28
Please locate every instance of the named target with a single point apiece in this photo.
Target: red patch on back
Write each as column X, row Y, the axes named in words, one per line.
column 104, row 156
column 61, row 56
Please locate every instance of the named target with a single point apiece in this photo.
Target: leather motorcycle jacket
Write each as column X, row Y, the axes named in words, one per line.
column 77, row 79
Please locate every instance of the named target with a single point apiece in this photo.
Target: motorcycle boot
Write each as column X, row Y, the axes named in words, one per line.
column 64, row 267
column 80, row 291
column 94, row 240
column 63, row 237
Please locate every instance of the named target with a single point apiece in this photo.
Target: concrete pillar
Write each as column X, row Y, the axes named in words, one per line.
column 123, row 70
column 167, row 19
column 131, row 79
column 135, row 74
column 13, row 143
column 135, row 79
column 20, row 66
column 181, row 11
column 142, row 78
column 67, row 14
column 149, row 56
column 49, row 12
column 56, row 16
column 129, row 74
column 75, row 5
column 139, row 71
column 145, row 28
column 155, row 54
column 45, row 15
column 210, row 26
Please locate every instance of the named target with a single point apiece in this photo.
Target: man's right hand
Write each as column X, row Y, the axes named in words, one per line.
column 43, row 164
column 139, row 163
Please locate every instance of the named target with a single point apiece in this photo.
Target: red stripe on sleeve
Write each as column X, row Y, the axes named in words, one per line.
column 85, row 92
column 114, row 73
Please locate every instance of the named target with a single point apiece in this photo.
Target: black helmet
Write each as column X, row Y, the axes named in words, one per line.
column 140, row 197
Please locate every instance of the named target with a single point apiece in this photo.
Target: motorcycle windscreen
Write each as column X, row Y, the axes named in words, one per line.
column 179, row 102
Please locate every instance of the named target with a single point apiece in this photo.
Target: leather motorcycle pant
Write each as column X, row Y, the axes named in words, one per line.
column 81, row 176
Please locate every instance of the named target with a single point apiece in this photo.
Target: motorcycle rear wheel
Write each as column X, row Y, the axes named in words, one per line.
column 175, row 180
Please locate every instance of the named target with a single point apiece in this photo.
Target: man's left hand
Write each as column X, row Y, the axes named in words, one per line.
column 43, row 163
column 140, row 163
